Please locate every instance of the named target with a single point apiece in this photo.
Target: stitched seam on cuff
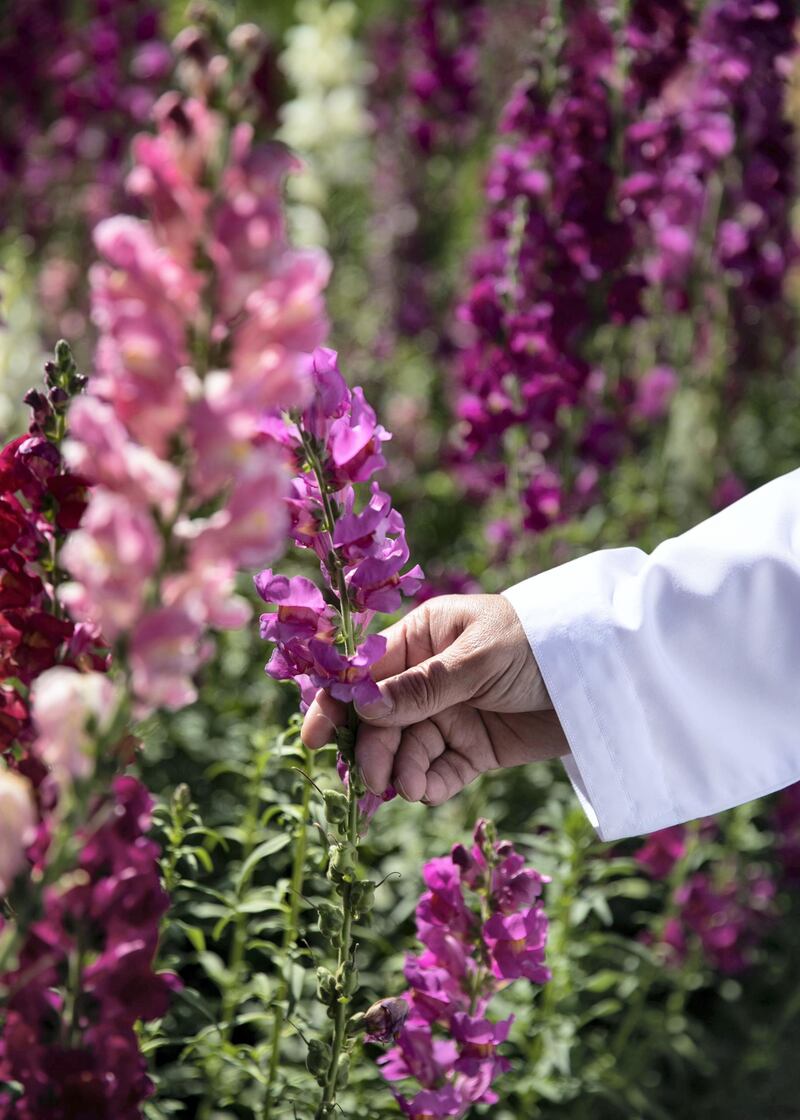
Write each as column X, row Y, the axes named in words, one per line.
column 565, row 715
column 637, row 699
column 618, row 771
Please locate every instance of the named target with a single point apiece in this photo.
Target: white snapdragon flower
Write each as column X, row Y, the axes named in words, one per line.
column 327, row 123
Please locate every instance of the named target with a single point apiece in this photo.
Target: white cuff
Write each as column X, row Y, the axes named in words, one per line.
column 565, row 614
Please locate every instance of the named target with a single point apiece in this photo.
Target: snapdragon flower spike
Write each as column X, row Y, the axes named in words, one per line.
column 727, row 919
column 482, row 924
column 336, row 442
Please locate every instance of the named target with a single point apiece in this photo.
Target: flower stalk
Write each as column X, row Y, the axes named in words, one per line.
column 321, row 642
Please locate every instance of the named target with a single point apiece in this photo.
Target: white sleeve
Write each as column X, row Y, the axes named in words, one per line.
column 676, row 676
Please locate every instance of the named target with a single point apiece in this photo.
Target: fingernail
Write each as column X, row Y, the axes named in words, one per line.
column 375, row 710
column 363, row 781
column 401, row 789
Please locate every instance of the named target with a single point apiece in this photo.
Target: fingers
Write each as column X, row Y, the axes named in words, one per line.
column 391, row 756
column 395, row 659
column 416, row 761
column 324, row 715
column 426, row 689
column 447, row 776
column 419, row 746
column 376, row 748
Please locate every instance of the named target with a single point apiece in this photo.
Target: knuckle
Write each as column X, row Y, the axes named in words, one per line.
column 424, row 687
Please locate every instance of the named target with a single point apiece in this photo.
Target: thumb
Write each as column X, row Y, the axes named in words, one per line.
column 424, row 690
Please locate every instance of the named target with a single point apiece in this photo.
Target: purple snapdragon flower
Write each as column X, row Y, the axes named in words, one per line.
column 482, row 924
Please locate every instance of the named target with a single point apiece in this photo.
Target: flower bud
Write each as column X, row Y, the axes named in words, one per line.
column 342, row 863
column 181, row 797
column 383, row 1021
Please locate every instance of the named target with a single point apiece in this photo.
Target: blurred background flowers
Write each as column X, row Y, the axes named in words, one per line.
column 564, row 247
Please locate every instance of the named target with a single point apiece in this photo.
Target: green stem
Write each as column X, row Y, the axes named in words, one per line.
column 77, row 960
column 236, row 958
column 290, row 935
column 328, row 1101
column 344, row 948
column 330, row 519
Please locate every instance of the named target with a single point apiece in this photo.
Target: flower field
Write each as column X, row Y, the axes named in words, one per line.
column 314, row 310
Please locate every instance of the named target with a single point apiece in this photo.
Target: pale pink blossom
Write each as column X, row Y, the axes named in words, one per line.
column 101, row 451
column 169, row 168
column 254, row 521
column 284, row 320
column 141, row 300
column 111, row 558
column 221, row 431
column 249, row 226
column 207, row 592
column 70, row 709
column 167, row 649
column 17, row 825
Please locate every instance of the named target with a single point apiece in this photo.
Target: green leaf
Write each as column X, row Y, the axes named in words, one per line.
column 194, row 935
column 215, row 970
column 263, row 851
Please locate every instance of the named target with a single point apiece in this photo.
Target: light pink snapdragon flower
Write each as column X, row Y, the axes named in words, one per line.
column 17, row 825
column 70, row 709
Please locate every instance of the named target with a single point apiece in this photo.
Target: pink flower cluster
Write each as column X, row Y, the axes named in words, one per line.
column 725, row 917
column 482, row 923
column 205, row 317
column 727, row 920
column 786, row 822
column 587, row 236
column 336, row 444
column 662, row 850
column 83, row 1060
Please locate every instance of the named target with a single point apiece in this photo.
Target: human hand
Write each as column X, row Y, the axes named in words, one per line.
column 460, row 694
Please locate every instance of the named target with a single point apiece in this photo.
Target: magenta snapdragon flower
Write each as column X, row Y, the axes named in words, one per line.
column 482, row 924
column 336, row 443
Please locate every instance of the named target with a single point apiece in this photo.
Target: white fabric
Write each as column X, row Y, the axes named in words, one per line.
column 676, row 676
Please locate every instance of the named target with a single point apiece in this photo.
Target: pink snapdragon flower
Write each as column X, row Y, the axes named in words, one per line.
column 654, row 393
column 17, row 825
column 516, row 943
column 111, row 558
column 190, row 487
column 70, row 709
column 662, row 850
column 166, row 650
column 100, row 449
column 727, row 919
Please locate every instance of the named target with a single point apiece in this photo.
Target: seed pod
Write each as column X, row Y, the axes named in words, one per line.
column 347, row 978
column 362, row 896
column 342, row 863
column 346, row 741
column 335, row 806
column 317, row 1059
column 326, row 986
column 330, row 921
column 343, row 1071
